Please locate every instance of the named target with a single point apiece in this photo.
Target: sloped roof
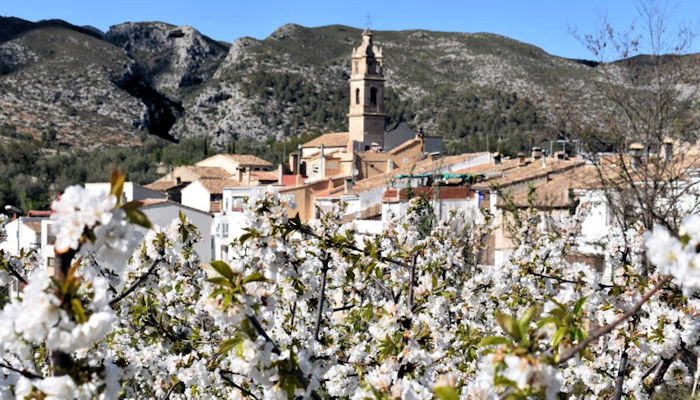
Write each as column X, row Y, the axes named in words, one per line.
column 216, row 186
column 246, row 159
column 555, row 193
column 334, row 139
column 422, row 166
column 531, row 171
column 263, row 175
column 405, row 145
column 373, row 156
column 162, row 186
column 207, row 172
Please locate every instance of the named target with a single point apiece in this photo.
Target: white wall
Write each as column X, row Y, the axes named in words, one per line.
column 132, row 191
column 163, row 214
column 16, row 233
column 195, row 195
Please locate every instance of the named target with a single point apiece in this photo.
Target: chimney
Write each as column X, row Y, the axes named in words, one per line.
column 280, row 173
column 521, row 158
column 636, row 150
column 536, row 153
column 668, row 148
column 389, row 165
column 348, row 185
column 544, row 160
column 247, row 176
column 294, row 163
column 496, row 158
column 323, row 161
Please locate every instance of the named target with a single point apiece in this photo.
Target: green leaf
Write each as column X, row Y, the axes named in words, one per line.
column 446, row 393
column 220, row 281
column 549, row 320
column 137, row 217
column 223, row 269
column 558, row 336
column 509, row 325
column 78, row 310
column 493, row 340
column 228, row 344
column 578, row 307
column 116, row 183
column 524, row 321
column 254, row 277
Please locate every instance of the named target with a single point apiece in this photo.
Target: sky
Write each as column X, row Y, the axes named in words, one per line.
column 544, row 23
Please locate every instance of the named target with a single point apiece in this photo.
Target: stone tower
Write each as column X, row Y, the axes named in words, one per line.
column 366, row 116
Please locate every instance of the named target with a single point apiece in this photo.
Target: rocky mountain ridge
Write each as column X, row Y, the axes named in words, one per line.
column 89, row 90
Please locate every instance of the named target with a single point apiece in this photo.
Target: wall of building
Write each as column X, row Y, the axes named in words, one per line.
column 19, row 236
column 195, row 195
column 163, row 214
column 131, row 192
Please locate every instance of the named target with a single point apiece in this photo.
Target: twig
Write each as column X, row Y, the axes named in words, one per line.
column 650, row 369
column 571, row 352
column 16, row 274
column 412, row 280
column 172, row 388
column 23, row 372
column 660, row 372
column 134, row 285
column 620, row 379
column 322, row 294
column 261, row 331
column 234, row 384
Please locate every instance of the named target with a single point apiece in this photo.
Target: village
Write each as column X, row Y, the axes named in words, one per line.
column 375, row 174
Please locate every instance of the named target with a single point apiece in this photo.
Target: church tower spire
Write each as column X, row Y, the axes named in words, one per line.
column 366, row 116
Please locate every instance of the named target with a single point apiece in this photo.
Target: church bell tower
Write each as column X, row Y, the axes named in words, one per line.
column 366, row 116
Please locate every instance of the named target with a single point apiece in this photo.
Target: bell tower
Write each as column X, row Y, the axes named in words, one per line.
column 366, row 116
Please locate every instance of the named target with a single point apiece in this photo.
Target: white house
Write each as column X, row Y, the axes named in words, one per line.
column 162, row 212
column 132, row 191
column 229, row 222
column 22, row 233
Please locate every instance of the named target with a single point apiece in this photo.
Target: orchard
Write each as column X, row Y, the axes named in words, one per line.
column 311, row 311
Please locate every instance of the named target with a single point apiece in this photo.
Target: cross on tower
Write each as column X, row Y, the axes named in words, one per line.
column 369, row 21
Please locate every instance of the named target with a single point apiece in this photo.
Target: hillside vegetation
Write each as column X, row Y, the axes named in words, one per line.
column 65, row 89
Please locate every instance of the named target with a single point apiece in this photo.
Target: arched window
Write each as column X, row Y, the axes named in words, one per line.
column 357, row 96
column 373, row 96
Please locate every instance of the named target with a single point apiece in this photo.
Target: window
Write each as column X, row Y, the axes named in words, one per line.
column 357, row 96
column 373, row 96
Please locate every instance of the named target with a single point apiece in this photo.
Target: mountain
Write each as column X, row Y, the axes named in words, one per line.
column 77, row 87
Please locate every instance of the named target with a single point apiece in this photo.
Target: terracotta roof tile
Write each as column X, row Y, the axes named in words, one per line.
column 419, row 167
column 335, row 139
column 246, row 159
column 405, row 144
column 216, row 186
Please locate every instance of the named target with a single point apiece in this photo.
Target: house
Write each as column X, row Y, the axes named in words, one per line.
column 162, row 212
column 131, row 191
column 22, row 233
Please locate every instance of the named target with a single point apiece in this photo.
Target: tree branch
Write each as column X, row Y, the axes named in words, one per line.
column 234, row 384
column 172, row 388
column 322, row 295
column 23, row 372
column 134, row 285
column 571, row 352
column 412, row 281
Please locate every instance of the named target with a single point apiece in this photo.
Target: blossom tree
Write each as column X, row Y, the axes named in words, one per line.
column 314, row 311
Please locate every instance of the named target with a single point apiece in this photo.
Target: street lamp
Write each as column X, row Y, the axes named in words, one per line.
column 18, row 215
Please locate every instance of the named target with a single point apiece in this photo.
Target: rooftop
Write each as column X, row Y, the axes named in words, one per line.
column 423, row 166
column 335, row 139
column 243, row 159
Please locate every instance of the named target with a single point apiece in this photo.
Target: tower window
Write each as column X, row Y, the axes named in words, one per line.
column 357, row 96
column 373, row 96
